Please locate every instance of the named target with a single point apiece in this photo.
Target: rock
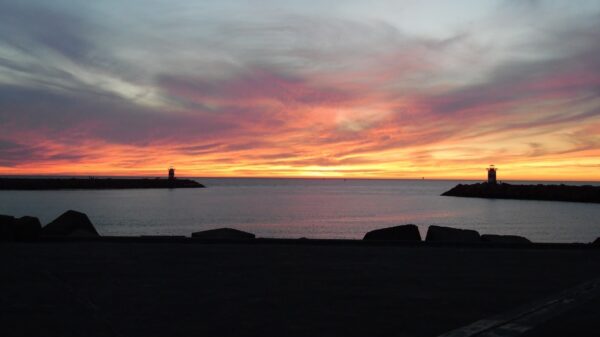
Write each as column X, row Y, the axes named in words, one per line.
column 597, row 242
column 6, row 228
column 507, row 239
column 397, row 233
column 71, row 223
column 447, row 234
column 82, row 233
column 223, row 234
column 27, row 228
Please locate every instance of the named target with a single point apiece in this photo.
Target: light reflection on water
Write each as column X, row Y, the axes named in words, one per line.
column 313, row 208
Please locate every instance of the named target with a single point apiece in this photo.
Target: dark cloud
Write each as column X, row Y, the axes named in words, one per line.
column 79, row 117
column 517, row 82
column 253, row 83
column 12, row 153
column 28, row 26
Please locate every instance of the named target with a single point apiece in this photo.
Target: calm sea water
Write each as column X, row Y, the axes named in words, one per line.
column 312, row 208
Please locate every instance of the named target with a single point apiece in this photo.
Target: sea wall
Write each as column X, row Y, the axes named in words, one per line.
column 93, row 183
column 585, row 193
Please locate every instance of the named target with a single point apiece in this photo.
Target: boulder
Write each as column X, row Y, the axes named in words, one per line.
column 397, row 233
column 27, row 228
column 505, row 239
column 597, row 242
column 82, row 233
column 223, row 234
column 6, row 228
column 71, row 223
column 448, row 234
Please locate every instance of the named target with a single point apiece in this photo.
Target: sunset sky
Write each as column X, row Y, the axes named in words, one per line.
column 378, row 89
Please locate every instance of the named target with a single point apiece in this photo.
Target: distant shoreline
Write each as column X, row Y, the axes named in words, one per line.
column 92, row 183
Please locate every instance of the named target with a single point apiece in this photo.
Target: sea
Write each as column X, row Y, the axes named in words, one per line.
column 309, row 208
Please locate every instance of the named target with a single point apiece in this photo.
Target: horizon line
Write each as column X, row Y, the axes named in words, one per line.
column 288, row 177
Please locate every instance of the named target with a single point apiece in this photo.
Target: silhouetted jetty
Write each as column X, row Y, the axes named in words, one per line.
column 93, row 183
column 572, row 193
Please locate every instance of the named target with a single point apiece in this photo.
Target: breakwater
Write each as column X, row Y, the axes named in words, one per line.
column 572, row 193
column 93, row 183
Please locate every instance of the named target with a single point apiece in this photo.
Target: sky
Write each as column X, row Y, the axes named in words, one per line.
column 370, row 89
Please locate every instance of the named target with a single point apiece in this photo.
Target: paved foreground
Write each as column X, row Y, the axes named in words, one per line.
column 191, row 289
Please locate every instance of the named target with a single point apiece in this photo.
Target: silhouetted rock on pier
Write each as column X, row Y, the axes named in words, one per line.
column 6, row 228
column 448, row 234
column 505, row 239
column 442, row 234
column 93, row 183
column 27, row 228
column 223, row 234
column 70, row 224
column 19, row 229
column 397, row 233
column 585, row 193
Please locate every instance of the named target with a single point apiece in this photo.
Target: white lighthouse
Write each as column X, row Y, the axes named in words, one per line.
column 171, row 173
column 492, row 175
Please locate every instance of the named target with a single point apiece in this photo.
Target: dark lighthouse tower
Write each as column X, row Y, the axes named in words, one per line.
column 492, row 175
column 171, row 173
